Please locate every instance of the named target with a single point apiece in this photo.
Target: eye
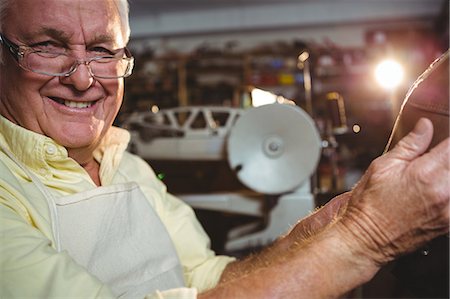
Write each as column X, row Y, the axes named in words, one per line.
column 101, row 51
column 48, row 46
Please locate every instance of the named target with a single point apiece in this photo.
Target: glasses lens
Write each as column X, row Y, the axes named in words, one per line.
column 57, row 64
column 109, row 67
column 48, row 63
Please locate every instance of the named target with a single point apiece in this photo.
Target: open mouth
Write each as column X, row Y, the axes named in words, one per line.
column 73, row 104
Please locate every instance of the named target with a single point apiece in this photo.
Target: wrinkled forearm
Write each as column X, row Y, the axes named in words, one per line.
column 267, row 257
column 326, row 266
column 300, row 233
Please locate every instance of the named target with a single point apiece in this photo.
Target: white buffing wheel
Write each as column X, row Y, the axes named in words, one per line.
column 274, row 148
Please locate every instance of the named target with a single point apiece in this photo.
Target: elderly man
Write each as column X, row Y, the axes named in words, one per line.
column 80, row 217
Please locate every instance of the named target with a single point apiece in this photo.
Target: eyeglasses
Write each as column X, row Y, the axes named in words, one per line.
column 63, row 65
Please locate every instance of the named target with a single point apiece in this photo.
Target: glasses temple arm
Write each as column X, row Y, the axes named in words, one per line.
column 12, row 47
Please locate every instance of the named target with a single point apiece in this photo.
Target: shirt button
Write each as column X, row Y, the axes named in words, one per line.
column 50, row 149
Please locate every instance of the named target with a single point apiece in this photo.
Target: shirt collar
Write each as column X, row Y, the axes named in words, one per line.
column 41, row 153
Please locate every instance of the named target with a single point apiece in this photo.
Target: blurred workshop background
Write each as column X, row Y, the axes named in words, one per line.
column 200, row 64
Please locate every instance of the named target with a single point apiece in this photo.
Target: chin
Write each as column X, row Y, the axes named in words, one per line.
column 78, row 134
column 79, row 140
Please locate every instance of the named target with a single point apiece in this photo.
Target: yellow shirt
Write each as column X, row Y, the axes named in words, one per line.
column 29, row 264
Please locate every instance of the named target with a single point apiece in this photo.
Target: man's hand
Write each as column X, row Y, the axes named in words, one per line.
column 403, row 199
column 400, row 203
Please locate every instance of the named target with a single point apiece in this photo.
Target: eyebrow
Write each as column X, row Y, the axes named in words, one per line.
column 54, row 33
column 102, row 38
column 65, row 38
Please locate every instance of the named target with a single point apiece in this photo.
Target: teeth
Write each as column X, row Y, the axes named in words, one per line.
column 73, row 104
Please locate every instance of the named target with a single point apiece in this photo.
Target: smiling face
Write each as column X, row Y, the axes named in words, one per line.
column 75, row 111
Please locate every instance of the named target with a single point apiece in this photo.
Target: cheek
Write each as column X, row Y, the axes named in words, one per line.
column 114, row 91
column 22, row 103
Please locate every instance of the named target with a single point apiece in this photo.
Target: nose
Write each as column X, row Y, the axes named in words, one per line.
column 80, row 78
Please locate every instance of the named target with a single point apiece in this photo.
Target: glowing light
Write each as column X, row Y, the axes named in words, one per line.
column 261, row 97
column 154, row 109
column 389, row 74
column 356, row 128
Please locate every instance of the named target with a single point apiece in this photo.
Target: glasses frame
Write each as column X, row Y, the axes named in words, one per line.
column 20, row 51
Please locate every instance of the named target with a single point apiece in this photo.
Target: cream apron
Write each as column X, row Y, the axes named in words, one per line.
column 115, row 234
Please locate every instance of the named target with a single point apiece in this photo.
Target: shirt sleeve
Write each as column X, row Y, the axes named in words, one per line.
column 202, row 267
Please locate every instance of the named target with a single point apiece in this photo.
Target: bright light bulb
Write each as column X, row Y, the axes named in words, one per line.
column 389, row 74
column 154, row 109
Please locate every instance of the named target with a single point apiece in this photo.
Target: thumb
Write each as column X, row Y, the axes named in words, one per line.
column 415, row 143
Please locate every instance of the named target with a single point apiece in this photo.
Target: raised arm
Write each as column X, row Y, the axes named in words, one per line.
column 400, row 203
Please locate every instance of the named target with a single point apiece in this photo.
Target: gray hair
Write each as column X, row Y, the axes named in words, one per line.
column 124, row 11
column 122, row 6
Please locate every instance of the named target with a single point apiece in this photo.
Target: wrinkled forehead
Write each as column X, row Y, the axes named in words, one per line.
column 78, row 20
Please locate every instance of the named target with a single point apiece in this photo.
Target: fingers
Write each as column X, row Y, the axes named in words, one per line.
column 436, row 164
column 408, row 148
column 415, row 143
column 433, row 172
column 441, row 153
